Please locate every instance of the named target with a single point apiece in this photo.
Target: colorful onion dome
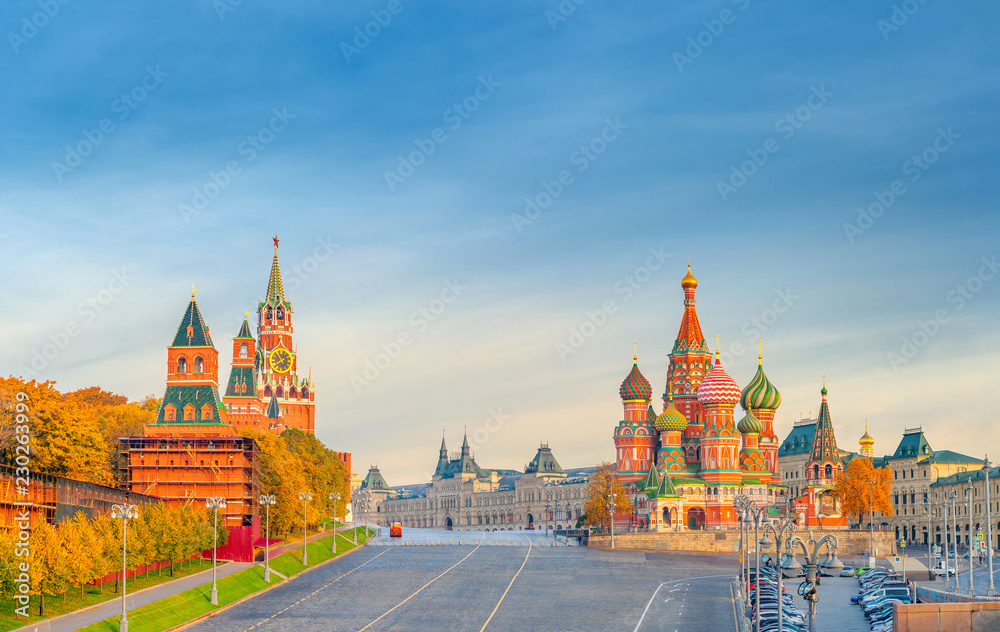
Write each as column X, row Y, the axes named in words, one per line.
column 750, row 424
column 671, row 420
column 718, row 387
column 635, row 386
column 760, row 394
column 689, row 281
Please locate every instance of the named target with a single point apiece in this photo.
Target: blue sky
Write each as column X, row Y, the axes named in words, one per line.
column 641, row 125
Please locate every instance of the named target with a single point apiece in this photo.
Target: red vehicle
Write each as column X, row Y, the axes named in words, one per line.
column 395, row 530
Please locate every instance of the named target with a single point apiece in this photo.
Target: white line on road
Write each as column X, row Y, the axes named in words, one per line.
column 421, row 588
column 687, row 579
column 508, row 588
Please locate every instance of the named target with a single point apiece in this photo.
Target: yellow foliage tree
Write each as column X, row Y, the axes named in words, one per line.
column 82, row 549
column 863, row 488
column 49, row 562
column 599, row 488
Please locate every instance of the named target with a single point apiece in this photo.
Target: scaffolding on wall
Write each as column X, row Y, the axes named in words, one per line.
column 195, row 468
column 57, row 498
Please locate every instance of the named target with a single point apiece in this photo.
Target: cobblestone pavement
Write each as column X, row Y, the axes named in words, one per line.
column 497, row 588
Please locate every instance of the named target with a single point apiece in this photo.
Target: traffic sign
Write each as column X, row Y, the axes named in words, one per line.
column 902, row 544
column 896, row 559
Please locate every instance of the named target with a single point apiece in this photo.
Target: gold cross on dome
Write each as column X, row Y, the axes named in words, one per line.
column 194, row 290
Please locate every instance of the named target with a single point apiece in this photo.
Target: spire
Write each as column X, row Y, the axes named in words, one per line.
column 824, row 446
column 245, row 329
column 273, row 411
column 444, row 448
column 465, row 442
column 652, row 479
column 192, row 332
column 275, row 289
column 690, row 336
column 666, row 488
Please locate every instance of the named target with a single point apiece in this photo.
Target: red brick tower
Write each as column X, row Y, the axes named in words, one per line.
column 277, row 359
column 242, row 399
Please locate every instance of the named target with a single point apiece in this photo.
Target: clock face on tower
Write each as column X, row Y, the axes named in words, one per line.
column 281, row 360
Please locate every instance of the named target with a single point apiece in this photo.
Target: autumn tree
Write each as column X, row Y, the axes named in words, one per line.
column 863, row 488
column 49, row 562
column 107, row 547
column 78, row 538
column 601, row 485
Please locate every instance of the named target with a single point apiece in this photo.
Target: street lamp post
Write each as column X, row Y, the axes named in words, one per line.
column 757, row 513
column 927, row 510
column 334, row 498
column 215, row 503
column 954, row 544
column 611, row 519
column 782, row 532
column 305, row 497
column 812, row 567
column 989, row 529
column 125, row 512
column 267, row 500
column 968, row 492
column 871, row 522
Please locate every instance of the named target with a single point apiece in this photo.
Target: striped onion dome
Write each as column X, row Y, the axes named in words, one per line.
column 635, row 386
column 718, row 387
column 671, row 419
column 750, row 424
column 760, row 394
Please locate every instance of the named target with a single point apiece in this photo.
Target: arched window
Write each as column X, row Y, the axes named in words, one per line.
column 816, row 471
column 305, row 393
column 269, row 314
column 281, row 392
column 267, row 391
column 182, row 365
column 280, row 313
column 829, row 471
column 243, row 350
column 199, row 365
column 293, row 393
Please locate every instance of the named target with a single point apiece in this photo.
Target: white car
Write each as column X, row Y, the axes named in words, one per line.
column 939, row 570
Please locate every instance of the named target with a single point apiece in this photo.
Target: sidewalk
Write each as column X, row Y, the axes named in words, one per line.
column 113, row 608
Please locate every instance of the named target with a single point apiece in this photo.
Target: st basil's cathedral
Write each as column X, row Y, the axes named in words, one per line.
column 684, row 467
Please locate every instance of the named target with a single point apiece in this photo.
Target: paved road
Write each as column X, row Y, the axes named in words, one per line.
column 496, row 588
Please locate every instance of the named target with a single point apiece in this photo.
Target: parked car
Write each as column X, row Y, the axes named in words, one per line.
column 940, row 570
column 847, row 572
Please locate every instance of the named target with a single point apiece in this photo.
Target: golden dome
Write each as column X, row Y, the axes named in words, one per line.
column 689, row 280
column 866, row 439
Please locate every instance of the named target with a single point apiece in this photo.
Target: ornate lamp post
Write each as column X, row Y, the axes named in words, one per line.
column 927, row 510
column 812, row 567
column 781, row 533
column 267, row 500
column 954, row 544
column 968, row 492
column 334, row 498
column 215, row 503
column 989, row 527
column 305, row 497
column 126, row 513
column 611, row 510
column 757, row 515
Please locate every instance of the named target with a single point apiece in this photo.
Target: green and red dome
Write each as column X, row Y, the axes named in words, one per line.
column 760, row 394
column 750, row 424
column 635, row 386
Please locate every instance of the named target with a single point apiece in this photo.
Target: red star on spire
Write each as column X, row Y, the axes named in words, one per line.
column 275, row 241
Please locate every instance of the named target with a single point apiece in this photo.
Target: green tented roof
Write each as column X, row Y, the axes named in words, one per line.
column 242, row 376
column 197, row 395
column 198, row 329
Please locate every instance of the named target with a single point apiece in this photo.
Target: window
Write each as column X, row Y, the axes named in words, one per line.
column 829, row 471
column 199, row 365
column 243, row 351
column 182, row 365
column 281, row 392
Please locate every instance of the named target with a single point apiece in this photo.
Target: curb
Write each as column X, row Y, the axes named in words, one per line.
column 211, row 614
column 45, row 623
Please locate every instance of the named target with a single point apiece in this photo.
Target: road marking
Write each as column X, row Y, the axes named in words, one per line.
column 504, row 595
column 687, row 579
column 735, row 617
column 328, row 584
column 419, row 589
